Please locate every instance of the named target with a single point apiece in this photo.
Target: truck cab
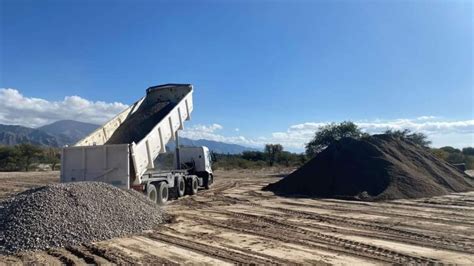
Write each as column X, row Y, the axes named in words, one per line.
column 198, row 161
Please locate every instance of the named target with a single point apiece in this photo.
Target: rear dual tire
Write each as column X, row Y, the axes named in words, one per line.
column 158, row 192
column 180, row 187
column 192, row 186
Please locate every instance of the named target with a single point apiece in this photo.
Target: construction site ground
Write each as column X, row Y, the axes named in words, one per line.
column 236, row 222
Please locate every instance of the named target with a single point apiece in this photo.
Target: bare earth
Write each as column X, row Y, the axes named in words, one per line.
column 235, row 222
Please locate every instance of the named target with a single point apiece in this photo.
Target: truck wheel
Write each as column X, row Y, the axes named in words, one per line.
column 180, row 186
column 192, row 187
column 151, row 192
column 162, row 193
column 209, row 181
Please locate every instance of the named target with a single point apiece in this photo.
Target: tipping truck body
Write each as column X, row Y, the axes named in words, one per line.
column 122, row 152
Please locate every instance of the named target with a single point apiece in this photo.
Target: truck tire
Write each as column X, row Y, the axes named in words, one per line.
column 180, row 186
column 151, row 192
column 208, row 181
column 192, row 187
column 162, row 193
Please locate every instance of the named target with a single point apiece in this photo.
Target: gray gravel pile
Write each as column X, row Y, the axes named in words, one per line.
column 74, row 213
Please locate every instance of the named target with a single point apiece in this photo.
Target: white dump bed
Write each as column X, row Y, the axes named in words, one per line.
column 122, row 165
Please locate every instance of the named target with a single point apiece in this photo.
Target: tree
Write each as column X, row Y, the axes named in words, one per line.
column 450, row 149
column 285, row 158
column 27, row 154
column 51, row 156
column 253, row 156
column 453, row 155
column 8, row 158
column 328, row 134
column 468, row 151
column 273, row 152
column 416, row 137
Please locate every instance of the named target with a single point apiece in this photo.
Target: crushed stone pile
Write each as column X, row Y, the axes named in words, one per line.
column 140, row 123
column 73, row 213
column 380, row 167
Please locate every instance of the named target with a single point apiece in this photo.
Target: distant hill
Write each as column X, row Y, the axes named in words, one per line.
column 12, row 135
column 67, row 132
column 57, row 134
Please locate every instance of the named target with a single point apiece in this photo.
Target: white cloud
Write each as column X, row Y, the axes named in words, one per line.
column 426, row 117
column 428, row 127
column 442, row 132
column 209, row 132
column 461, row 132
column 17, row 109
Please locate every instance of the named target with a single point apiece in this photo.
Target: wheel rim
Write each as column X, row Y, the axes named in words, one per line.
column 181, row 185
column 194, row 184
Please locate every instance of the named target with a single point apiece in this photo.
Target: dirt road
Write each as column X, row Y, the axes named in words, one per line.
column 235, row 222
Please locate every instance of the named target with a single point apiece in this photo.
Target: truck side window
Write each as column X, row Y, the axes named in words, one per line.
column 209, row 158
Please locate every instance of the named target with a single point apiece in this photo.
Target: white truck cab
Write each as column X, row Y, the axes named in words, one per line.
column 198, row 161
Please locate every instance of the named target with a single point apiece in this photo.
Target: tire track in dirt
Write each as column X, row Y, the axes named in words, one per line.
column 456, row 202
column 150, row 259
column 212, row 237
column 385, row 213
column 317, row 240
column 66, row 257
column 220, row 187
column 381, row 226
column 368, row 228
column 436, row 205
column 14, row 260
column 379, row 230
column 37, row 258
column 335, row 204
column 407, row 237
column 88, row 257
column 114, row 255
column 403, row 206
column 213, row 251
column 332, row 219
column 417, row 204
column 464, row 245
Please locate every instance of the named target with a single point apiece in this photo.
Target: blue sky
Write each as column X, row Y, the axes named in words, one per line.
column 266, row 68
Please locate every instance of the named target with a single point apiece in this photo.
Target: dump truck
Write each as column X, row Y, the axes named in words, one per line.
column 123, row 151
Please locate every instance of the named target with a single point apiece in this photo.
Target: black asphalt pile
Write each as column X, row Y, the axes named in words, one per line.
column 140, row 123
column 379, row 167
column 73, row 213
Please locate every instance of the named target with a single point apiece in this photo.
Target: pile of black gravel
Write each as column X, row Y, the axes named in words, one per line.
column 74, row 213
column 379, row 167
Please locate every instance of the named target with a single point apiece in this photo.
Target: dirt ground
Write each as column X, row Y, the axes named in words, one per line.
column 235, row 222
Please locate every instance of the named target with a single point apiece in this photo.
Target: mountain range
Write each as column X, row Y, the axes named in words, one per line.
column 57, row 134
column 68, row 132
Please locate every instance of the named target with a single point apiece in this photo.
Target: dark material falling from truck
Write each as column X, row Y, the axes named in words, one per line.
column 140, row 123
